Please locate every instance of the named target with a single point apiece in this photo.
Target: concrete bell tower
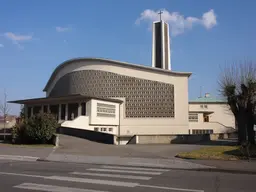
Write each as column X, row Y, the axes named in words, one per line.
column 161, row 57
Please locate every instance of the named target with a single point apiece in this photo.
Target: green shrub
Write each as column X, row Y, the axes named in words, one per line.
column 38, row 129
column 19, row 132
column 41, row 127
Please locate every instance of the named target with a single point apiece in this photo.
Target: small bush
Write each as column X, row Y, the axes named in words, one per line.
column 19, row 132
column 38, row 129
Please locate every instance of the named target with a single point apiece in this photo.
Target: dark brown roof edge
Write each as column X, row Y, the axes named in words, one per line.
column 78, row 96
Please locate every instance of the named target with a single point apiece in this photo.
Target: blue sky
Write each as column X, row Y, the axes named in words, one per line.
column 36, row 36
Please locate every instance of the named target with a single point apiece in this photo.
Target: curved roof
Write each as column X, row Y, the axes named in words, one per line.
column 124, row 64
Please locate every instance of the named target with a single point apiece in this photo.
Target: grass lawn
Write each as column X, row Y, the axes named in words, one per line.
column 219, row 153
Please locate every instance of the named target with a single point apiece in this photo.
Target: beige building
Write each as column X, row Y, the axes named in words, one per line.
column 117, row 98
column 210, row 115
column 112, row 100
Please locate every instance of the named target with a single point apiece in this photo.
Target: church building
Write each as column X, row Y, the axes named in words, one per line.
column 116, row 98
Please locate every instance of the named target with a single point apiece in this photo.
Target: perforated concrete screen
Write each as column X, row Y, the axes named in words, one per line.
column 144, row 98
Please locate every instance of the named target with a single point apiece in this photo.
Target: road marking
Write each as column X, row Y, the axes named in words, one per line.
column 18, row 158
column 22, row 175
column 101, row 182
column 125, row 171
column 94, row 181
column 113, row 175
column 52, row 188
column 134, row 168
column 171, row 188
column 75, row 179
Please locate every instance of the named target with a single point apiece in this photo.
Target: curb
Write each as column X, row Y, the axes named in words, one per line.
column 214, row 170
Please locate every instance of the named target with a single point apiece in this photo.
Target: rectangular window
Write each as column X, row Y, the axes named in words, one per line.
column 106, row 110
column 193, row 117
column 202, row 131
column 96, row 128
column 110, row 129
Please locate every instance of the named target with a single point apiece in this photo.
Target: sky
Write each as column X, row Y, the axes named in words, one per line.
column 36, row 36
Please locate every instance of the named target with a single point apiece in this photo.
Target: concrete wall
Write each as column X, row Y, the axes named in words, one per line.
column 87, row 134
column 221, row 119
column 131, row 126
column 172, row 139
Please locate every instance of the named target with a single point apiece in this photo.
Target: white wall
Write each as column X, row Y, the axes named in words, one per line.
column 96, row 120
column 131, row 126
column 221, row 118
column 82, row 122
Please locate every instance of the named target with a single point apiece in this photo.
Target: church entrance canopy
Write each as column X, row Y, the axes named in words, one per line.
column 63, row 108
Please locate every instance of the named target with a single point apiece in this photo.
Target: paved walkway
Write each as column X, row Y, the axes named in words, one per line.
column 77, row 146
column 79, row 150
column 16, row 150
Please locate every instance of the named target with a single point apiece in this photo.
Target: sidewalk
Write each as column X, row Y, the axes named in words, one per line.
column 130, row 161
column 229, row 166
column 23, row 152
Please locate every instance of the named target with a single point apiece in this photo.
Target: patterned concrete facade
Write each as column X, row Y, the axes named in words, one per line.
column 143, row 98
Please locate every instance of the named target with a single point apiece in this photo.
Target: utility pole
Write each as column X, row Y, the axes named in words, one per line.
column 4, row 108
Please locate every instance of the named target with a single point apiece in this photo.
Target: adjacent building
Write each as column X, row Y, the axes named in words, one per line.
column 210, row 115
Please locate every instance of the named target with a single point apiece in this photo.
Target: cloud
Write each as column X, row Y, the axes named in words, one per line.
column 62, row 29
column 1, row 45
column 178, row 23
column 16, row 39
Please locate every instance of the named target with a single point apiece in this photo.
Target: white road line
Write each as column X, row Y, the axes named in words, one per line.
column 22, row 175
column 94, row 181
column 75, row 179
column 52, row 188
column 113, row 175
column 171, row 188
column 18, row 158
column 97, row 181
column 125, row 171
column 135, row 168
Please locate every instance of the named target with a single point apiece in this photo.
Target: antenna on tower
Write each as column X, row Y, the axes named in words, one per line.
column 200, row 92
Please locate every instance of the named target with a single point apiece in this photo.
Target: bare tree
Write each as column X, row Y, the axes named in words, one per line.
column 238, row 86
column 4, row 109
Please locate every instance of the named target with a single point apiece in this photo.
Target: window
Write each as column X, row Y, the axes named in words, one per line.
column 193, row 117
column 206, row 118
column 202, row 131
column 103, row 129
column 205, row 106
column 106, row 110
column 202, row 106
column 110, row 129
column 96, row 128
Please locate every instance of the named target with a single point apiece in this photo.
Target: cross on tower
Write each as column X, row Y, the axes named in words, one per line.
column 160, row 13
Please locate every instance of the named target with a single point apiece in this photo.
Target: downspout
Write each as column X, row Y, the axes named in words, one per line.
column 119, row 125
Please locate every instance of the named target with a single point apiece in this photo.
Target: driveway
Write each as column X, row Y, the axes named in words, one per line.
column 78, row 146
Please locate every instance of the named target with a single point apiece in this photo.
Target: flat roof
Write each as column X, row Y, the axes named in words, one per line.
column 120, row 63
column 45, row 100
column 207, row 100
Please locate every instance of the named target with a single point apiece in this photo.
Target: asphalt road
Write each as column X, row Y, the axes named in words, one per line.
column 18, row 176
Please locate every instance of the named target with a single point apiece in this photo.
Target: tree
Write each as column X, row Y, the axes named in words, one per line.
column 22, row 112
column 4, row 109
column 238, row 86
